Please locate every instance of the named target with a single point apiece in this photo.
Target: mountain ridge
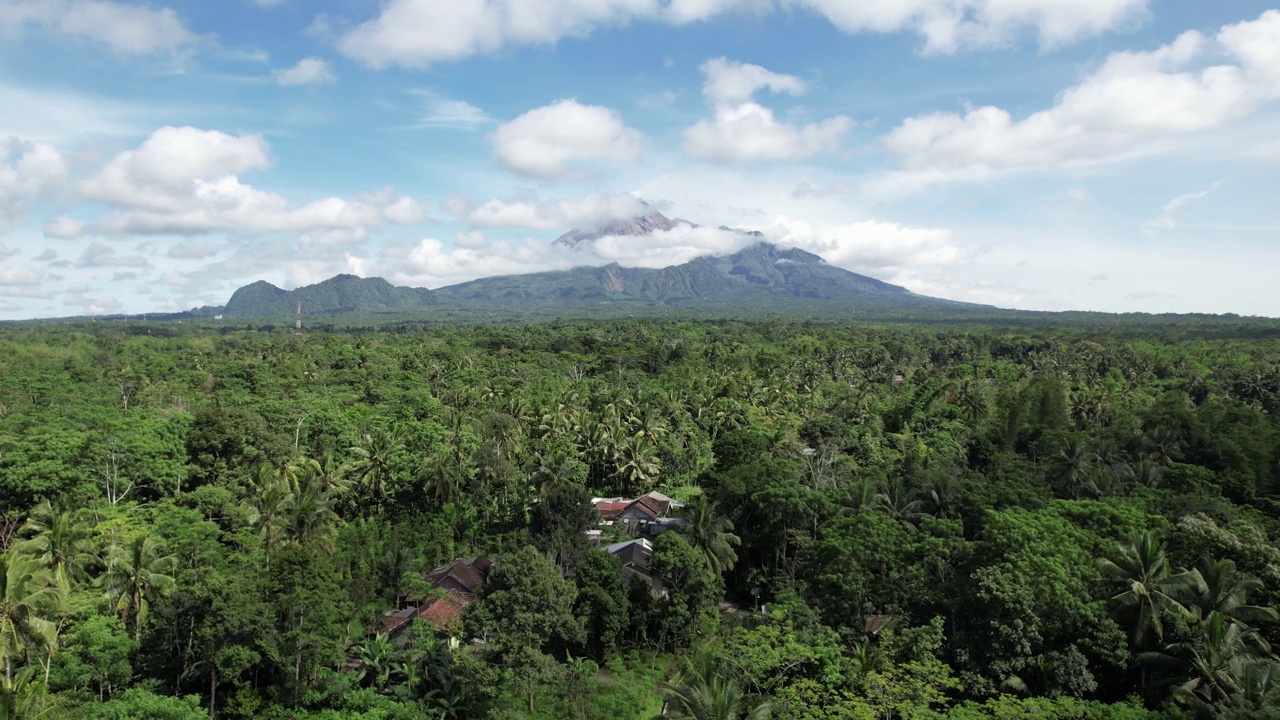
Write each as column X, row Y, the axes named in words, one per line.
column 754, row 278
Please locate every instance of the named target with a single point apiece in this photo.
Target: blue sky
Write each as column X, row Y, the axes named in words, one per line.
column 1118, row 155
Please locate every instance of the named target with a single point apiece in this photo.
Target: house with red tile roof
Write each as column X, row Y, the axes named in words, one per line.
column 453, row 588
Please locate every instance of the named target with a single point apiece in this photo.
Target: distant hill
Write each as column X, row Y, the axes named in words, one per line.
column 337, row 295
column 761, row 279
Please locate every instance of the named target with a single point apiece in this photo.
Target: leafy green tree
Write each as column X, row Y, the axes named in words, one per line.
column 523, row 608
column 601, row 603
column 311, row 614
column 692, row 591
column 96, row 655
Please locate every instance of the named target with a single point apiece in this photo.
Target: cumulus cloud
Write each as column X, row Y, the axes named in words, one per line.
column 17, row 276
column 186, row 181
column 126, row 29
column 99, row 255
column 548, row 142
column 744, row 131
column 419, row 33
column 1124, row 108
column 308, row 71
column 64, row 228
column 27, row 170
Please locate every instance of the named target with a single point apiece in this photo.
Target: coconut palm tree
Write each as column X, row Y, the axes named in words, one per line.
column 555, row 471
column 1071, row 470
column 1218, row 586
column 24, row 696
column 309, row 520
column 29, row 596
column 268, row 503
column 370, row 466
column 896, row 500
column 1148, row 587
column 1212, row 666
column 138, row 574
column 636, row 465
column 59, row 543
column 702, row 690
column 711, row 533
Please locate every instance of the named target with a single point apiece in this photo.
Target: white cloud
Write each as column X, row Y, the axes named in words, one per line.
column 186, row 181
column 1168, row 219
column 268, row 3
column 419, row 33
column 64, row 228
column 655, row 101
column 730, row 83
column 1125, row 108
column 560, row 215
column 98, row 255
column 743, row 131
column 951, row 25
column 446, row 112
column 308, row 71
column 876, row 248
column 194, row 250
column 27, row 170
column 15, row 276
column 405, row 211
column 548, row 142
column 126, row 29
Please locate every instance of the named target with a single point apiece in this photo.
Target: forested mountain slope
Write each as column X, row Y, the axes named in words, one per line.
column 881, row 521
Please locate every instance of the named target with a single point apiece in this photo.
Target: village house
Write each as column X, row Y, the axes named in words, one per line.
column 634, row 558
column 452, row 588
column 646, row 515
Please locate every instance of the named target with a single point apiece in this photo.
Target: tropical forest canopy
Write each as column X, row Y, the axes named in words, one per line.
column 881, row 521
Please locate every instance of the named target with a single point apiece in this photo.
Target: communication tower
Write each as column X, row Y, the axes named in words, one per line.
column 297, row 324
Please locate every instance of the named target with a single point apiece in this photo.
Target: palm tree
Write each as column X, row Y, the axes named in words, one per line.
column 29, row 595
column 371, row 466
column 137, row 574
column 636, row 466
column 1071, row 470
column 1148, row 586
column 59, row 543
column 25, row 697
column 702, row 690
column 1214, row 665
column 1217, row 586
column 711, row 533
column 554, row 472
column 269, row 503
column 309, row 520
column 896, row 501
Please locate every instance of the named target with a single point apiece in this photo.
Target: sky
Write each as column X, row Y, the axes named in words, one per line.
column 1113, row 155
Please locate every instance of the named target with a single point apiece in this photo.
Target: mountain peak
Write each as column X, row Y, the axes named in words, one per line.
column 636, row 226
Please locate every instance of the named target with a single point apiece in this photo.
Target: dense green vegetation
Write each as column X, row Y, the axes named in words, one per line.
column 884, row 521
